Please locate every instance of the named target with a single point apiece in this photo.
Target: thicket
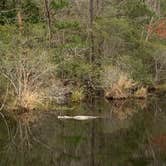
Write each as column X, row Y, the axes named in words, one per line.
column 87, row 41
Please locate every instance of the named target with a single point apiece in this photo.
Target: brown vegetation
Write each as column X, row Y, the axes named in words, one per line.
column 125, row 88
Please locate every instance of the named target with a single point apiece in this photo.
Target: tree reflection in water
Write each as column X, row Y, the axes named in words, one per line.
column 128, row 133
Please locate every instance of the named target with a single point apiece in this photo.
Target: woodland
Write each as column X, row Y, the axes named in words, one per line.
column 69, row 50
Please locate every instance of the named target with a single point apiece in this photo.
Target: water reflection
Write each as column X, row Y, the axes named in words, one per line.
column 127, row 133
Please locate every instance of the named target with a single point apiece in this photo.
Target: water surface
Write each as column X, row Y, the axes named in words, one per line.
column 128, row 133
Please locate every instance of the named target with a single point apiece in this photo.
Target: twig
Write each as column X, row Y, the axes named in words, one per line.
column 2, row 115
column 6, row 76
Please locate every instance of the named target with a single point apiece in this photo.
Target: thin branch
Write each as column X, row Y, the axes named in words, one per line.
column 11, row 81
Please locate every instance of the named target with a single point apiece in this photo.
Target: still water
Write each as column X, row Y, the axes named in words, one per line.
column 128, row 133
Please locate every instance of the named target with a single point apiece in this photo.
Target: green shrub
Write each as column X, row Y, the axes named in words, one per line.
column 78, row 95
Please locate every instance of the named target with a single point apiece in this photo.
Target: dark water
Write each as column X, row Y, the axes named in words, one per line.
column 129, row 133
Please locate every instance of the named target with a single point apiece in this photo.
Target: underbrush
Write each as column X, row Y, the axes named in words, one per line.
column 119, row 85
column 78, row 95
column 28, row 72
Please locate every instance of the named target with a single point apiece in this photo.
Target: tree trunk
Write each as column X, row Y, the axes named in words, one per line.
column 48, row 17
column 3, row 4
column 97, row 4
column 156, row 72
column 154, row 5
column 91, row 12
column 20, row 22
column 14, row 3
column 149, row 31
column 19, row 17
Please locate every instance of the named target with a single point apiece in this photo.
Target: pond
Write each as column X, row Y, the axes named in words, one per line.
column 126, row 133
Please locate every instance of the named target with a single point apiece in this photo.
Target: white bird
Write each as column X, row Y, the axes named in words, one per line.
column 81, row 117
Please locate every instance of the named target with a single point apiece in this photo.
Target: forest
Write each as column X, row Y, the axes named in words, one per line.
column 53, row 50
column 82, row 82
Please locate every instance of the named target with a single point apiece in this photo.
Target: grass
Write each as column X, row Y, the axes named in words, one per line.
column 141, row 93
column 119, row 89
column 122, row 89
column 77, row 95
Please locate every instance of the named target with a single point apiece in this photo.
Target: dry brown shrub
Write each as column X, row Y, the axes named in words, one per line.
column 31, row 99
column 141, row 93
column 120, row 89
